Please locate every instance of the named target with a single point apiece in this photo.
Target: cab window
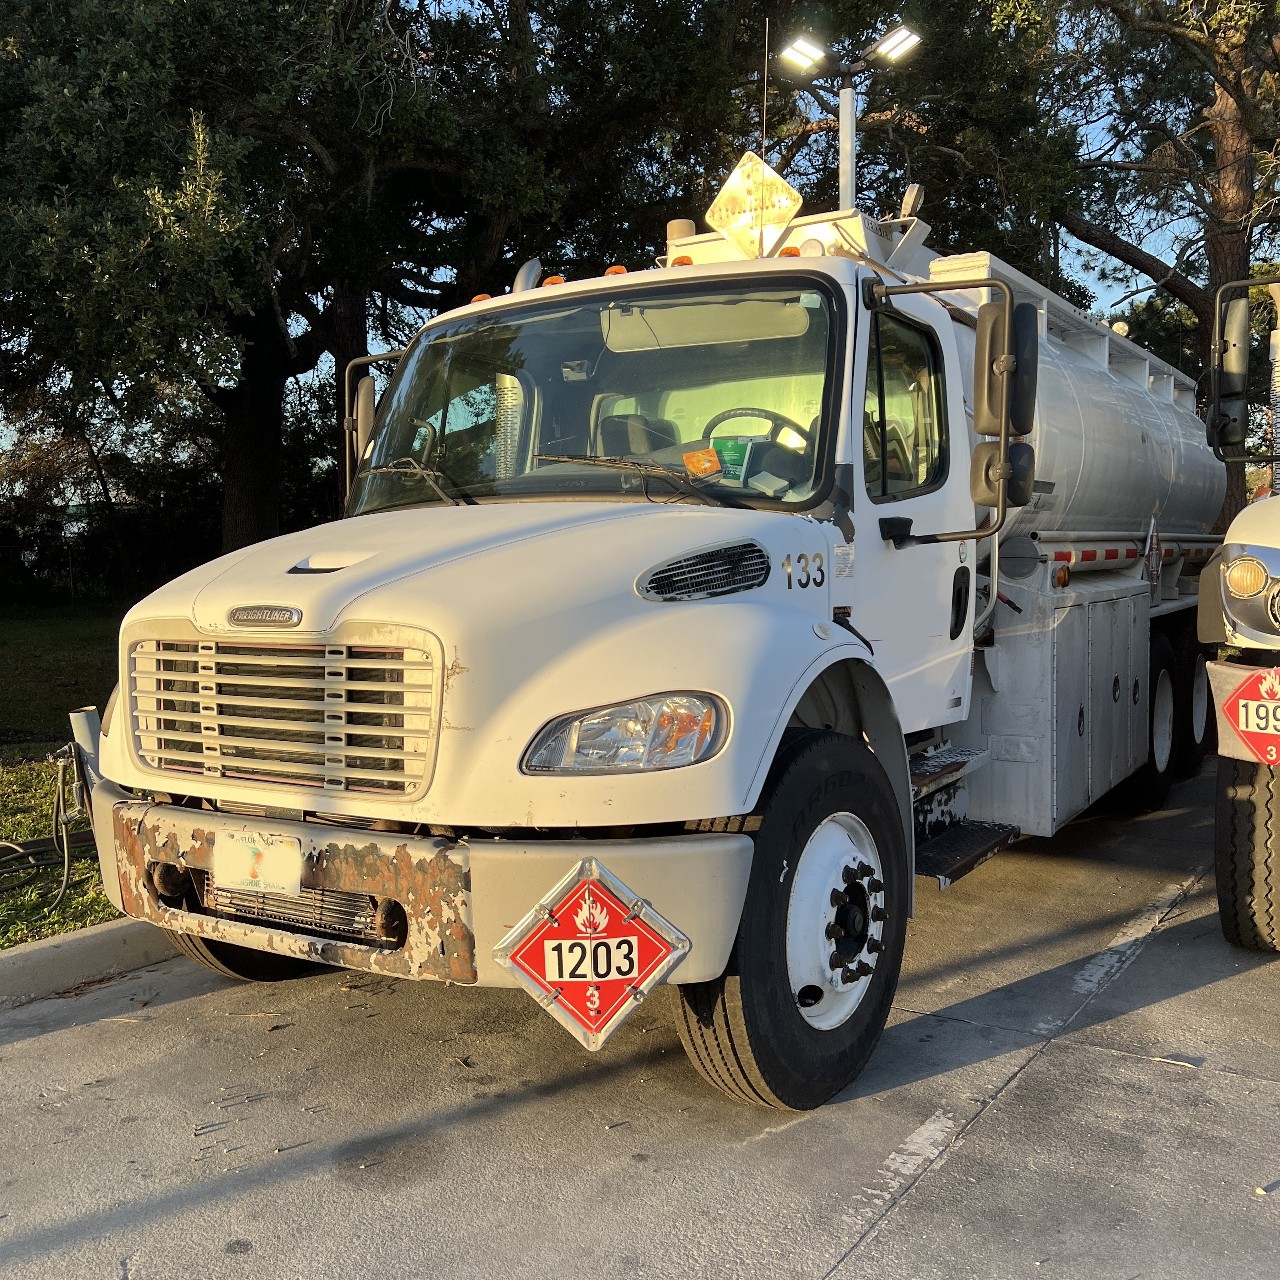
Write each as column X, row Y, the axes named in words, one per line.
column 904, row 428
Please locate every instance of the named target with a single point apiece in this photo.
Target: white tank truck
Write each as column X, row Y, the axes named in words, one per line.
column 1239, row 615
column 677, row 620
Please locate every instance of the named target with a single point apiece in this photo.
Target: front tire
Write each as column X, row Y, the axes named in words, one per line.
column 1247, row 854
column 242, row 963
column 801, row 1007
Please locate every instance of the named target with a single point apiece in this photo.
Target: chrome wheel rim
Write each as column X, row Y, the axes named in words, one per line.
column 835, row 921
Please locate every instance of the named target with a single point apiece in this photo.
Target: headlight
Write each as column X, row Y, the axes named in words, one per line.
column 664, row 732
column 1246, row 577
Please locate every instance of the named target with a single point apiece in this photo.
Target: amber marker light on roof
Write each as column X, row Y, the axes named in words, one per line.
column 550, row 280
column 682, row 261
column 615, row 270
column 791, row 251
column 482, row 297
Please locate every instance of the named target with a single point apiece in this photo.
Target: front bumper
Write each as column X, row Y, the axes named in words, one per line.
column 461, row 898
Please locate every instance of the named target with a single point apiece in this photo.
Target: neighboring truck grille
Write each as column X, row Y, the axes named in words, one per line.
column 332, row 717
column 323, row 912
column 717, row 571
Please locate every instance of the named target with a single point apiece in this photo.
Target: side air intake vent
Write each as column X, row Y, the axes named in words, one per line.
column 717, row 571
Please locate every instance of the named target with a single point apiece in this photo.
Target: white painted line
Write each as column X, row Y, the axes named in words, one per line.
column 1104, row 968
column 920, row 1149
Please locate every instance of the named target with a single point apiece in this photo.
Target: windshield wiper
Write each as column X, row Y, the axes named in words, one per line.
column 411, row 466
column 678, row 480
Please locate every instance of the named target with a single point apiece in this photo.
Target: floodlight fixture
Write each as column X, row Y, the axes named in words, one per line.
column 809, row 60
column 892, row 46
column 803, row 54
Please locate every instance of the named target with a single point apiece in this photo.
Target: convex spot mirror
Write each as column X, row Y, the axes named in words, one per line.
column 990, row 345
column 984, row 488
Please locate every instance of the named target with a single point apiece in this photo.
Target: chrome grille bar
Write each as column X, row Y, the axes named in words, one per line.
column 330, row 717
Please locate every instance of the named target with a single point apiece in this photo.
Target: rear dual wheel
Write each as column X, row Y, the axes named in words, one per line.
column 1195, row 729
column 812, row 976
column 1149, row 787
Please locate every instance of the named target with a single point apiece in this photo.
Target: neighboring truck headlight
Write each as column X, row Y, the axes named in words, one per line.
column 667, row 731
column 1246, row 577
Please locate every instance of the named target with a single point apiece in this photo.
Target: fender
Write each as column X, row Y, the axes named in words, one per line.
column 842, row 690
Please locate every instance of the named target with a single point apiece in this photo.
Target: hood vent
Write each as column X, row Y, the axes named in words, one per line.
column 716, row 571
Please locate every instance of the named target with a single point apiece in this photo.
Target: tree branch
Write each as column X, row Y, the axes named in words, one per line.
column 1167, row 277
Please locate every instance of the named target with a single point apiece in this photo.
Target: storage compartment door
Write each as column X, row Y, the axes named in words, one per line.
column 1071, row 713
column 1110, row 623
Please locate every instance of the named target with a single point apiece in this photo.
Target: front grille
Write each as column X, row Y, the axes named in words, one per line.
column 330, row 717
column 717, row 571
column 332, row 913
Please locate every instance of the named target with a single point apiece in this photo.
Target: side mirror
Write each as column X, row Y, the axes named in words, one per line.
column 364, row 414
column 989, row 347
column 1026, row 352
column 984, row 487
column 1228, row 413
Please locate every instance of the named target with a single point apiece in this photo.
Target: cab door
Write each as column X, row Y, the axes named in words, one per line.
column 914, row 602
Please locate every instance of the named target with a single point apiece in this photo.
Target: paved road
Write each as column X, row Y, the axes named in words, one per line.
column 1080, row 1079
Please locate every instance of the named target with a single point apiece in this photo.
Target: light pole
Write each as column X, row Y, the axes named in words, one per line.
column 808, row 58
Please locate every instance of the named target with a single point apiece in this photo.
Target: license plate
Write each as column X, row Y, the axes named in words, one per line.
column 597, row 960
column 258, row 862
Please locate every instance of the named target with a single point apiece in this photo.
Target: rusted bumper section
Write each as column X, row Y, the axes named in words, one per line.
column 431, row 879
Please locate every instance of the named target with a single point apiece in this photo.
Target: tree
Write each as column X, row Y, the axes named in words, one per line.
column 1177, row 105
column 209, row 196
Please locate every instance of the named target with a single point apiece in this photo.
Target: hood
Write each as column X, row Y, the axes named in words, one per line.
column 326, row 571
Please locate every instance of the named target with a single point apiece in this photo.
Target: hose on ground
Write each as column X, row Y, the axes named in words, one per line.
column 26, row 863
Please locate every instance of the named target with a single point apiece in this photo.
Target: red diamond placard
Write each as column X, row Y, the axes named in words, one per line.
column 1253, row 710
column 590, row 951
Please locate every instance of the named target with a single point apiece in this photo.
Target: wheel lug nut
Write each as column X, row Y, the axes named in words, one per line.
column 836, row 961
column 877, row 914
column 834, row 932
column 874, row 885
column 849, row 976
column 839, row 899
column 862, row 969
column 874, row 945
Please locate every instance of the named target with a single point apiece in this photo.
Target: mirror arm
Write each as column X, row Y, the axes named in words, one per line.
column 348, row 414
column 1005, row 366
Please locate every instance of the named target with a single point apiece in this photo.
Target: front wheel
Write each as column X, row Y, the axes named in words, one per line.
column 1247, row 854
column 812, row 976
column 242, row 963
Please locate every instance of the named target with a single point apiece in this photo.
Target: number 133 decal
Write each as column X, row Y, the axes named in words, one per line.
column 808, row 571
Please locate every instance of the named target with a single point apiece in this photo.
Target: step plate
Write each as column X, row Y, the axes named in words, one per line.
column 960, row 849
column 938, row 769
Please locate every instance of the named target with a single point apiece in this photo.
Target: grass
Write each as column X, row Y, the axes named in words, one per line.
column 53, row 658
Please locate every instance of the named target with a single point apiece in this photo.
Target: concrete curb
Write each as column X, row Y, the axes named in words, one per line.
column 35, row 970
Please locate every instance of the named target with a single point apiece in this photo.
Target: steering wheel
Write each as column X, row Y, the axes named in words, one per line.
column 779, row 422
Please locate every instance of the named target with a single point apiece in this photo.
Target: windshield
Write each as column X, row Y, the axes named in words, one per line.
column 671, row 394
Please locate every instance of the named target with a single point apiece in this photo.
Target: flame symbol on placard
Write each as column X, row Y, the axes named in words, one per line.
column 591, row 917
column 1270, row 686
